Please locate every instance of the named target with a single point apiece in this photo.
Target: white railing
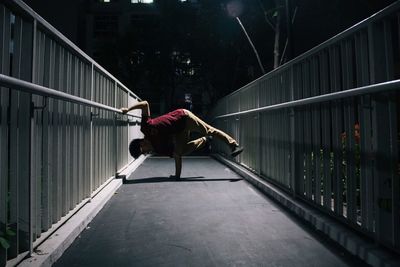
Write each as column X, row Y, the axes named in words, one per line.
column 61, row 134
column 324, row 126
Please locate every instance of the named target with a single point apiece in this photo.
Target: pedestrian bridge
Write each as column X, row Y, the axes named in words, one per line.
column 317, row 185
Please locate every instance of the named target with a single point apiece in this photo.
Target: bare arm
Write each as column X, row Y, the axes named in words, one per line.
column 143, row 105
column 178, row 166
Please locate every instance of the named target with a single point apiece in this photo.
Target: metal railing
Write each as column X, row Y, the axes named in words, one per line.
column 61, row 135
column 324, row 126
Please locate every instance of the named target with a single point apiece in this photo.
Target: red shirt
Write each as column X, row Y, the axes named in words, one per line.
column 160, row 130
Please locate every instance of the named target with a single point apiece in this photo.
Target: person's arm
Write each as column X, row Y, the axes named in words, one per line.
column 178, row 166
column 143, row 105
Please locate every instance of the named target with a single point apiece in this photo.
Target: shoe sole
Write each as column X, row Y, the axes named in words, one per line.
column 237, row 151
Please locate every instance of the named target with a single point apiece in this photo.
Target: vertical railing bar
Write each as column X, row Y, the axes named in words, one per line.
column 349, row 120
column 80, row 157
column 292, row 137
column 104, row 126
column 126, row 104
column 336, row 132
column 287, row 129
column 68, row 146
column 296, row 154
column 360, row 67
column 39, row 148
column 379, row 64
column 25, row 73
column 69, row 141
column 83, row 126
column 46, row 200
column 51, row 147
column 268, row 143
column 272, row 116
column 63, row 132
column 31, row 134
column 326, row 123
column 95, row 147
column 91, row 129
column 5, row 36
column 13, row 175
column 308, row 131
column 74, row 141
column 101, row 125
column 259, row 132
column 56, row 174
column 73, row 176
column 279, row 139
column 393, row 198
column 275, row 119
column 281, row 128
column 98, row 144
column 110, row 131
column 115, row 152
column 396, row 182
column 78, row 88
column 300, row 135
column 316, row 125
column 366, row 176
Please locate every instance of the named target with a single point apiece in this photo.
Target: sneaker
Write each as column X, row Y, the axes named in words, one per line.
column 236, row 150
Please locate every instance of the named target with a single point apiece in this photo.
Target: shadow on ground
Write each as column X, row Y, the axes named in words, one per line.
column 182, row 179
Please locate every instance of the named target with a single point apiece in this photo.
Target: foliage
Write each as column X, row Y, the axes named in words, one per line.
column 5, row 236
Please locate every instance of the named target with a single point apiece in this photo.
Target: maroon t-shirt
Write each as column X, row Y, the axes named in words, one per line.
column 160, row 130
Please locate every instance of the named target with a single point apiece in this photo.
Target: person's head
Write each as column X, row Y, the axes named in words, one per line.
column 139, row 146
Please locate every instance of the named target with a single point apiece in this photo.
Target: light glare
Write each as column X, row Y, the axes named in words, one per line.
column 234, row 8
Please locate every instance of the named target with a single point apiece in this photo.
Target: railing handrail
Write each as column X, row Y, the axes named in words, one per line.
column 66, row 41
column 10, row 82
column 364, row 23
column 369, row 89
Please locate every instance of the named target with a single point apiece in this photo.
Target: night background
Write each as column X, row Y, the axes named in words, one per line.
column 169, row 49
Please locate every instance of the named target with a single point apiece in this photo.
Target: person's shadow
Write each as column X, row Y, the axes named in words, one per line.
column 151, row 180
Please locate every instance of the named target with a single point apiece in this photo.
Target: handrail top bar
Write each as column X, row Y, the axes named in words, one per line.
column 10, row 82
column 22, row 5
column 378, row 15
column 374, row 88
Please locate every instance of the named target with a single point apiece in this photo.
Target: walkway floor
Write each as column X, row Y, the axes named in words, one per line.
column 210, row 218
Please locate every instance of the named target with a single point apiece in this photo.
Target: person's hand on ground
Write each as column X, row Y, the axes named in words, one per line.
column 174, row 177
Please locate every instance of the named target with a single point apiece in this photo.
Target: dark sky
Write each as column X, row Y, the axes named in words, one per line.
column 316, row 20
column 62, row 14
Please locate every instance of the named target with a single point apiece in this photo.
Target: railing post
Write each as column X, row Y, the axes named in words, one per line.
column 4, row 108
column 384, row 136
column 31, row 152
column 260, row 144
column 293, row 140
column 115, row 133
column 91, row 131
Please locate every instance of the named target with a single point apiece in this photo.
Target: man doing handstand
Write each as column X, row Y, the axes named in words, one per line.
column 169, row 135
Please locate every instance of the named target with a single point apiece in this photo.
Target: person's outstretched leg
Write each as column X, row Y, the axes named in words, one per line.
column 195, row 124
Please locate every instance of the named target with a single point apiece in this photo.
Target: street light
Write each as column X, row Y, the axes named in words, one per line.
column 234, row 9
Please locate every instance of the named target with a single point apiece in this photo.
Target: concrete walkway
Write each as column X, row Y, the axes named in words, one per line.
column 210, row 218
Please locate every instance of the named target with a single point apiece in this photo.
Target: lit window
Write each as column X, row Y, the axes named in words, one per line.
column 142, row 1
